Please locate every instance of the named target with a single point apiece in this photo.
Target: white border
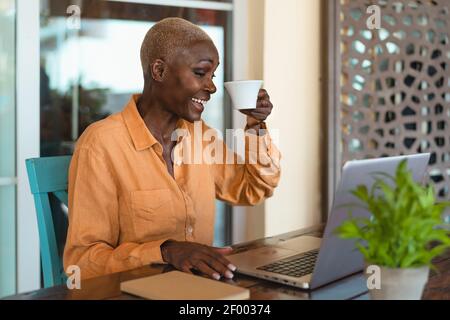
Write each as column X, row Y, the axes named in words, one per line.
column 27, row 143
column 212, row 5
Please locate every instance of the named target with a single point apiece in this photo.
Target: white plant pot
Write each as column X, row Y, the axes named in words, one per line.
column 399, row 284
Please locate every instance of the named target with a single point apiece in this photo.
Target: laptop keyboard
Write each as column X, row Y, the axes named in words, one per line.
column 296, row 266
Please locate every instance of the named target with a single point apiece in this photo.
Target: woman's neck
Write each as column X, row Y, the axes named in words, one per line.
column 159, row 121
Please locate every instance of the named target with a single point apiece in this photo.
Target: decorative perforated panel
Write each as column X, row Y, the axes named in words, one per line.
column 395, row 83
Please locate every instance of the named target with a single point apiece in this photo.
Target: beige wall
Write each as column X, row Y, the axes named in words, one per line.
column 292, row 75
column 282, row 44
column 248, row 222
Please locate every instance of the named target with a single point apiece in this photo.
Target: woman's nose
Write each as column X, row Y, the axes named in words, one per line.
column 210, row 87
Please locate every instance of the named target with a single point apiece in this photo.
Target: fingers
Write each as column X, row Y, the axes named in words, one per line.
column 219, row 262
column 221, row 268
column 186, row 267
column 206, row 264
column 206, row 259
column 258, row 116
column 247, row 111
column 217, row 266
column 263, row 100
column 263, row 104
column 219, row 256
column 262, row 94
column 206, row 269
column 263, row 107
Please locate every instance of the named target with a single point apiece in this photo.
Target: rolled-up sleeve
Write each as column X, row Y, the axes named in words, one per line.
column 251, row 180
column 93, row 235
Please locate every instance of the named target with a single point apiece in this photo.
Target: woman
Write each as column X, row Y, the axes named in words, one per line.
column 129, row 205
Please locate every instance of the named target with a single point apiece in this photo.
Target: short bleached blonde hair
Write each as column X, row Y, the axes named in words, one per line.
column 165, row 38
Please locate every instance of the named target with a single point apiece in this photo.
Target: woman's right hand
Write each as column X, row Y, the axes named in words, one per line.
column 186, row 256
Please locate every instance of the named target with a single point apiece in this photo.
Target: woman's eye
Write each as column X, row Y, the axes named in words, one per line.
column 202, row 74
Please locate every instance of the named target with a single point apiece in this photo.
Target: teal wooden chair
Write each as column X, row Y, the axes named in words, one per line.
column 48, row 179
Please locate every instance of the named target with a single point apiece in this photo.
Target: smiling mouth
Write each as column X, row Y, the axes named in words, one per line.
column 199, row 104
column 199, row 100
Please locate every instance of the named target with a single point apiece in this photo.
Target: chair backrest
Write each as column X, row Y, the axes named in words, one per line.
column 49, row 175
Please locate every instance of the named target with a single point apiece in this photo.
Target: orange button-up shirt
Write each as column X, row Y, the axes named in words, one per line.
column 123, row 203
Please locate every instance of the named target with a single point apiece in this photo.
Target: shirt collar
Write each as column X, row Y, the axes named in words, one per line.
column 140, row 134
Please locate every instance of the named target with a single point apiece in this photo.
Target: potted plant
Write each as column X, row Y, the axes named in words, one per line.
column 404, row 233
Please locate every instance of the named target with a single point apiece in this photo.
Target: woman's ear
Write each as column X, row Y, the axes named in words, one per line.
column 158, row 70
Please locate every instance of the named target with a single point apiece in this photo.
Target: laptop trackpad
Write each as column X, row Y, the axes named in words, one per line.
column 258, row 257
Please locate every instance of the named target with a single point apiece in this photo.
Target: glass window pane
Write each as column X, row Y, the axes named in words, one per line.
column 7, row 149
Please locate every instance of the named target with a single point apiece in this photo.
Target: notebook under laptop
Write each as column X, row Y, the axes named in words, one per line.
column 310, row 262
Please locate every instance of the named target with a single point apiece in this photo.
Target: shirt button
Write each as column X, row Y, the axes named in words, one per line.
column 190, row 229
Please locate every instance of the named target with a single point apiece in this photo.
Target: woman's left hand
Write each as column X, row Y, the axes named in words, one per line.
column 261, row 112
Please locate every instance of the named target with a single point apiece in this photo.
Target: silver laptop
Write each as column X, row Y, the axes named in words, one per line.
column 309, row 262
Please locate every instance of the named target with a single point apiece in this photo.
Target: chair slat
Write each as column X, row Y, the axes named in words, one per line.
column 49, row 175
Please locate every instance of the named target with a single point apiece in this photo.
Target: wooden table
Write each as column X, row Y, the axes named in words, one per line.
column 353, row 287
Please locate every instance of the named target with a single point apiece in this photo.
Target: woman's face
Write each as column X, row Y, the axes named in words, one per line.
column 188, row 83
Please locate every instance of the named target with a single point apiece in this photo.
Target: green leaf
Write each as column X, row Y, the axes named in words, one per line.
column 405, row 220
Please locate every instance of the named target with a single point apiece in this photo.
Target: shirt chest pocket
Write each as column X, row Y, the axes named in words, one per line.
column 153, row 214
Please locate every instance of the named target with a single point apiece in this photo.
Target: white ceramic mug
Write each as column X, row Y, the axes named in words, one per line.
column 244, row 93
